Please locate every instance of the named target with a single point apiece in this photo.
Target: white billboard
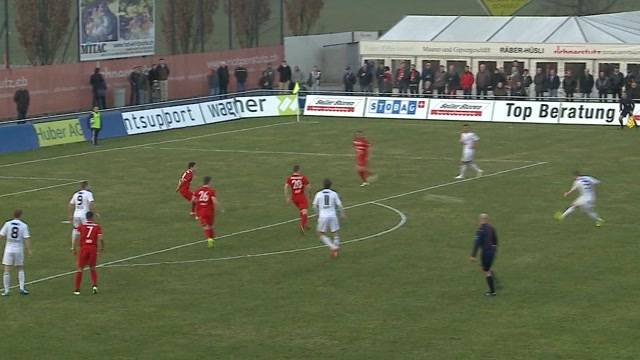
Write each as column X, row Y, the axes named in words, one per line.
column 175, row 117
column 328, row 105
column 465, row 110
column 396, row 108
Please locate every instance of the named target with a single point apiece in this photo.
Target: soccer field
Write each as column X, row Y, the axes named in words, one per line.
column 402, row 287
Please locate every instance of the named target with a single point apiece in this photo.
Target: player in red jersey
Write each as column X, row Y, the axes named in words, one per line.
column 90, row 243
column 205, row 204
column 295, row 192
column 185, row 183
column 361, row 145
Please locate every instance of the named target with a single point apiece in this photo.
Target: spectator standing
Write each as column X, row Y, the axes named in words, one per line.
column 402, row 79
column 553, row 82
column 540, row 84
column 634, row 92
column 95, row 123
column 298, row 78
column 348, row 79
column 498, row 77
column 466, row 82
column 483, row 81
column 163, row 72
column 144, row 85
column 154, row 87
column 223, row 78
column 365, row 79
column 133, row 84
column 427, row 79
column 212, row 82
column 388, row 80
column 380, row 78
column 628, row 80
column 452, row 80
column 266, row 81
column 603, row 85
column 586, row 84
column 241, row 74
column 414, row 79
column 500, row 91
column 517, row 90
column 616, row 83
column 526, row 82
column 440, row 80
column 284, row 70
column 569, row 84
column 99, row 89
column 21, row 98
column 314, row 78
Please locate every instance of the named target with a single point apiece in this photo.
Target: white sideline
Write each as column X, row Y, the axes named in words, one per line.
column 147, row 144
column 403, row 220
column 35, row 178
column 293, row 220
column 40, row 189
column 328, row 154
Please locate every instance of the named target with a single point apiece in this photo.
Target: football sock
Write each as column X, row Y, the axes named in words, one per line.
column 78, row 279
column 326, row 241
column 193, row 207
column 363, row 175
column 336, row 240
column 463, row 168
column 94, row 277
column 593, row 215
column 475, row 167
column 6, row 281
column 303, row 219
column 21, row 279
column 490, row 283
column 567, row 212
column 208, row 233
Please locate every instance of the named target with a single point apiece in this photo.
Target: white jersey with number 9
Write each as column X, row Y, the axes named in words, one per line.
column 81, row 201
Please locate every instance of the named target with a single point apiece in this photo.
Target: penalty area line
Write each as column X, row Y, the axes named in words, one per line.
column 433, row 187
column 401, row 222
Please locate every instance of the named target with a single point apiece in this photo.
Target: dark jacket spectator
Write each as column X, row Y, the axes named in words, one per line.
column 617, row 83
column 440, row 80
column 498, row 77
column 569, row 84
column 483, row 81
column 212, row 82
column 452, row 80
column 629, row 79
column 633, row 92
column 402, row 79
column 99, row 89
column 553, row 82
column 380, row 78
column 21, row 98
column 540, row 85
column 348, row 79
column 603, row 84
column 266, row 81
column 517, row 90
column 134, row 83
column 586, row 84
column 427, row 79
column 284, row 70
column 414, row 80
column 388, row 80
column 223, row 78
column 365, row 79
column 241, row 74
column 162, row 73
column 500, row 91
column 526, row 82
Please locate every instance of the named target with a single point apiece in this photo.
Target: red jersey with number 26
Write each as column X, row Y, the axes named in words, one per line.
column 297, row 182
column 89, row 234
column 204, row 198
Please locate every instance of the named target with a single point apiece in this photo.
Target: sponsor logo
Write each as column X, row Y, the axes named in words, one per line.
column 59, row 132
column 161, row 119
column 287, row 105
column 561, row 111
column 396, row 107
column 453, row 109
column 330, row 105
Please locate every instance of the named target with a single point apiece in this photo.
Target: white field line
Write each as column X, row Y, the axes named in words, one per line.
column 147, row 144
column 239, row 151
column 292, row 220
column 40, row 189
column 35, row 178
column 403, row 220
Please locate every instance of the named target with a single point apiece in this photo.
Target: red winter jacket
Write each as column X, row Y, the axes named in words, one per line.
column 466, row 80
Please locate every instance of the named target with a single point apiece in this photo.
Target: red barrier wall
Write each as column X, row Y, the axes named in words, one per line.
column 65, row 88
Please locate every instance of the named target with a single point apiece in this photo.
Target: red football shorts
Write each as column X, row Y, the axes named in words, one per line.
column 88, row 256
column 300, row 202
column 186, row 193
column 205, row 217
column 361, row 160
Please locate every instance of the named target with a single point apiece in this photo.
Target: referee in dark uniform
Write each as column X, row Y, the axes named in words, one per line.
column 487, row 241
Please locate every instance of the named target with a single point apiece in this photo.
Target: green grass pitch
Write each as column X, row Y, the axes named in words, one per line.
column 405, row 291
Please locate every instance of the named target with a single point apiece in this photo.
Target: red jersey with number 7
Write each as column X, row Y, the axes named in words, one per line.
column 203, row 198
column 89, row 234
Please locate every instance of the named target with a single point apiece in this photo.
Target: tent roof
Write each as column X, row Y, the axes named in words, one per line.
column 618, row 28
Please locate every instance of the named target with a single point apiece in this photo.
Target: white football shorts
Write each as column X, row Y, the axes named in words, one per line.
column 467, row 155
column 11, row 258
column 328, row 224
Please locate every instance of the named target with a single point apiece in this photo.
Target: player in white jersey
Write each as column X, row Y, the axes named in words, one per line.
column 586, row 201
column 468, row 139
column 18, row 240
column 81, row 202
column 327, row 204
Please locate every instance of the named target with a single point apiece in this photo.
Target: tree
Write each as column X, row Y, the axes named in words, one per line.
column 302, row 15
column 187, row 24
column 248, row 17
column 42, row 26
column 582, row 7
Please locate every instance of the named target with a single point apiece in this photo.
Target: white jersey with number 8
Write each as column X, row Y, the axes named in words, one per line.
column 15, row 231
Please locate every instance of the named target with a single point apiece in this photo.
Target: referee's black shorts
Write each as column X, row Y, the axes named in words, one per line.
column 487, row 260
